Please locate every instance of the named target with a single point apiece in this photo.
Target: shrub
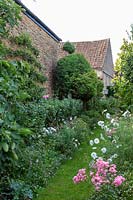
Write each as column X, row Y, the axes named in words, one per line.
column 69, row 47
column 46, row 113
column 74, row 76
column 20, row 190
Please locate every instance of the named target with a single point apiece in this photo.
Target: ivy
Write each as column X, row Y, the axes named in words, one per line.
column 24, row 40
column 9, row 15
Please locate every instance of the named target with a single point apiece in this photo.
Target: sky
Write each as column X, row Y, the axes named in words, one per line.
column 86, row 20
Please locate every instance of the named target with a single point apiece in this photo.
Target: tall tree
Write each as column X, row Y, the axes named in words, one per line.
column 123, row 81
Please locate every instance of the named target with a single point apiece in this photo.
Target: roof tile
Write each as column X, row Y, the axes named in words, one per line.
column 93, row 51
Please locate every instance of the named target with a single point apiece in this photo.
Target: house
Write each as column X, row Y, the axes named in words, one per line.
column 99, row 55
column 46, row 41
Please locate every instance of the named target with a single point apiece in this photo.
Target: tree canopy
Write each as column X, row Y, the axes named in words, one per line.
column 123, row 81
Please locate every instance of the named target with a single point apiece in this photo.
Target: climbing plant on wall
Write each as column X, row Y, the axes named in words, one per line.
column 9, row 15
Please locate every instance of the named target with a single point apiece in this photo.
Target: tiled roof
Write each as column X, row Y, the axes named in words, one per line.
column 93, row 51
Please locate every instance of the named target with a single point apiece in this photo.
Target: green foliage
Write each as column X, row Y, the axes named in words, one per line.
column 21, row 83
column 3, row 50
column 25, row 41
column 15, row 78
column 46, row 113
column 74, row 76
column 69, row 47
column 66, row 141
column 9, row 14
column 46, row 153
column 20, row 191
column 123, row 81
column 108, row 193
column 111, row 104
column 124, row 140
column 120, row 144
column 83, row 86
column 37, row 164
column 26, row 55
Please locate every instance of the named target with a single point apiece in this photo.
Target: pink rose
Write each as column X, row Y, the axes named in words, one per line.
column 45, row 96
column 118, row 181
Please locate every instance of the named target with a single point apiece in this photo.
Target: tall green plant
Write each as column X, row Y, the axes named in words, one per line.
column 74, row 76
column 123, row 81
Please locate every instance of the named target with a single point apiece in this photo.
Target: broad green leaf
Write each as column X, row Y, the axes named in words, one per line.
column 5, row 146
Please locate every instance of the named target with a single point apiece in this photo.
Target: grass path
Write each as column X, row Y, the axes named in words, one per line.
column 61, row 186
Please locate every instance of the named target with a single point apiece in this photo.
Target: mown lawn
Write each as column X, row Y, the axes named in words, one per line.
column 61, row 186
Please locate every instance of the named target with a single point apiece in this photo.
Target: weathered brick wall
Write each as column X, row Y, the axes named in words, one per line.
column 47, row 46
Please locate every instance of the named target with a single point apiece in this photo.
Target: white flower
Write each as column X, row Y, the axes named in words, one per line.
column 71, row 118
column 126, row 114
column 112, row 121
column 96, row 141
column 117, row 146
column 75, row 144
column 114, row 141
column 94, row 147
column 108, row 116
column 100, row 158
column 51, row 129
column 115, row 155
column 94, row 155
column 91, row 142
column 101, row 124
column 103, row 150
column 46, row 130
column 116, row 124
column 109, row 160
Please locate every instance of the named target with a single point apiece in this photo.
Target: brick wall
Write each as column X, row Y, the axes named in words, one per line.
column 47, row 46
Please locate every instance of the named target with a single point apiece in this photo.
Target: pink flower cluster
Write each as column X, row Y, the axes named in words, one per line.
column 118, row 180
column 81, row 176
column 105, row 173
column 45, row 96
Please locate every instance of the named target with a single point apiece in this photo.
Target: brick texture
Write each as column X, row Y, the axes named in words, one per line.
column 47, row 46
